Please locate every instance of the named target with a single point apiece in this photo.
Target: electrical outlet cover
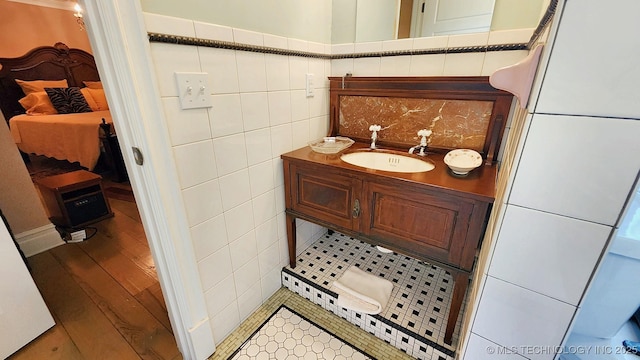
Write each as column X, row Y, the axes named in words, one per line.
column 194, row 90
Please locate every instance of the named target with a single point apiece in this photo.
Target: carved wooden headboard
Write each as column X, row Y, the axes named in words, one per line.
column 462, row 112
column 55, row 62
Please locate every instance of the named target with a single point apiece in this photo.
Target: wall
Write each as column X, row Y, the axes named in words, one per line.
column 18, row 198
column 515, row 14
column 574, row 170
column 306, row 20
column 228, row 156
column 24, row 27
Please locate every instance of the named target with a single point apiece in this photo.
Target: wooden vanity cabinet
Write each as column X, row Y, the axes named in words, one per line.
column 425, row 222
column 323, row 195
column 433, row 216
column 426, row 225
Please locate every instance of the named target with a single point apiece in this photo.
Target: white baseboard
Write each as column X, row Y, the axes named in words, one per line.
column 38, row 240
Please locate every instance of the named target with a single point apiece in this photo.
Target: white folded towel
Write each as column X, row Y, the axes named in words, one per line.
column 361, row 291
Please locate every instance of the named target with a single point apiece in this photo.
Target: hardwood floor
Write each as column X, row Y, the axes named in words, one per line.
column 104, row 295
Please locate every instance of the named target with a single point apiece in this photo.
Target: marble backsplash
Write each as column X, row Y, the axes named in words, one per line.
column 454, row 123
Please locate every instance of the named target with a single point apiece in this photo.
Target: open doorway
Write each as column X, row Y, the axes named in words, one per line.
column 104, row 291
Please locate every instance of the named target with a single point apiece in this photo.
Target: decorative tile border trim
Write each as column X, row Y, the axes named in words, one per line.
column 185, row 40
column 328, row 300
column 544, row 22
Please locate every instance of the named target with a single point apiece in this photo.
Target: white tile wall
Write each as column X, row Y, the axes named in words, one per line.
column 215, row 267
column 185, row 60
column 463, row 64
column 593, row 69
column 261, row 177
column 252, row 74
column 230, row 154
column 239, row 220
column 209, row 236
column 221, row 67
column 258, row 146
column 213, row 32
column 235, row 189
column 202, row 202
column 279, row 107
column 225, row 116
column 392, row 66
column 221, row 295
column 576, row 166
column 243, row 251
column 250, row 300
column 264, row 207
column 228, row 157
column 224, row 321
column 180, row 134
column 515, row 317
column 550, row 254
column 255, row 110
column 427, row 65
column 267, row 234
column 250, row 125
column 573, row 174
column 481, row 348
column 196, row 163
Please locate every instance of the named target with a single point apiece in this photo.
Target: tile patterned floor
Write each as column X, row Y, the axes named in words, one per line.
column 368, row 344
column 415, row 317
column 287, row 334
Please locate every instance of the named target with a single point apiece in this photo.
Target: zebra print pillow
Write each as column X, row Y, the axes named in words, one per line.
column 68, row 100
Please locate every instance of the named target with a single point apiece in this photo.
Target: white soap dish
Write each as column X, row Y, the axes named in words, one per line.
column 461, row 161
column 330, row 144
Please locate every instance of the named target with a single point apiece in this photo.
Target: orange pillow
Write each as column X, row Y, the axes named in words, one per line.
column 99, row 98
column 29, row 87
column 38, row 103
column 93, row 84
column 87, row 96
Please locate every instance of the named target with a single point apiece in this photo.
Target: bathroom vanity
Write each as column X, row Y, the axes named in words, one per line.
column 434, row 216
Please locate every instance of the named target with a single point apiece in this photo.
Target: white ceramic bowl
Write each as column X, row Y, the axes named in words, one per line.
column 461, row 161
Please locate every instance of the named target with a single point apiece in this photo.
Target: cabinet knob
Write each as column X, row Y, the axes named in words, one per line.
column 356, row 208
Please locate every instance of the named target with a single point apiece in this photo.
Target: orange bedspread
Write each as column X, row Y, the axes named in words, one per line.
column 72, row 137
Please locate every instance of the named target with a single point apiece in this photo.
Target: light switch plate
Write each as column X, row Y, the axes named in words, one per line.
column 309, row 85
column 194, row 90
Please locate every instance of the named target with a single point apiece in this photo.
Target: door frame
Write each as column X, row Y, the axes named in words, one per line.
column 121, row 48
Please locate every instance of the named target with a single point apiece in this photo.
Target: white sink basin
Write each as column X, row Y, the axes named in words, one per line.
column 387, row 161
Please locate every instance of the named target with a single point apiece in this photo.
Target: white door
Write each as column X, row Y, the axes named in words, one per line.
column 447, row 17
column 23, row 313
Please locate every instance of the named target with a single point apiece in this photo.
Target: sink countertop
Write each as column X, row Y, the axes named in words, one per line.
column 480, row 183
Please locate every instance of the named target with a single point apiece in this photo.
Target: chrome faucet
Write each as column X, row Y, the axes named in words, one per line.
column 374, row 134
column 424, row 133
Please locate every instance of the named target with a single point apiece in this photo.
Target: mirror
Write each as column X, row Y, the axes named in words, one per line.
column 378, row 20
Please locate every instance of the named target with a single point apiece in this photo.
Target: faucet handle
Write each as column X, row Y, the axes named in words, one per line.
column 374, row 135
column 424, row 133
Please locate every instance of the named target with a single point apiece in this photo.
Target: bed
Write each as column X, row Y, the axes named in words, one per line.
column 71, row 133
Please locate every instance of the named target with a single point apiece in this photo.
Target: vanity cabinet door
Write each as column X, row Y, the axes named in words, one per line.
column 422, row 224
column 324, row 195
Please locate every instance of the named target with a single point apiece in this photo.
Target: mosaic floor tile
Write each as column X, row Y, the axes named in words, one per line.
column 287, row 334
column 414, row 319
column 368, row 344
